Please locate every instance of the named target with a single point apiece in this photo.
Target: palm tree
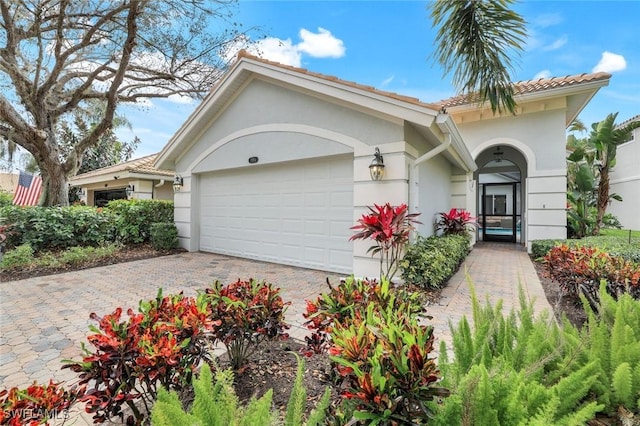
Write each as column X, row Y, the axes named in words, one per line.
column 605, row 137
column 476, row 40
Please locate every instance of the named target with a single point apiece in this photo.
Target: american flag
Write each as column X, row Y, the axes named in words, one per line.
column 28, row 190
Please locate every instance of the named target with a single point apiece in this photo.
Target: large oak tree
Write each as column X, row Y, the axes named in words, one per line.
column 57, row 56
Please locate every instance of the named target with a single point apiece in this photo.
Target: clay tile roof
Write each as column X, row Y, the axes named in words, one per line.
column 629, row 121
column 142, row 165
column 244, row 54
column 532, row 86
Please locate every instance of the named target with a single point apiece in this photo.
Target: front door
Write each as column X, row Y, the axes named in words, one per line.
column 500, row 219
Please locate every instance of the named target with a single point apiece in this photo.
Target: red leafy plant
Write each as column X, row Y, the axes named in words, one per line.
column 456, row 222
column 160, row 345
column 37, row 404
column 579, row 270
column 246, row 313
column 389, row 227
column 343, row 301
column 383, row 358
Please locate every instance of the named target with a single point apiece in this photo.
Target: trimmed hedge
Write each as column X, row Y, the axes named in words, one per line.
column 134, row 218
column 430, row 262
column 164, row 235
column 615, row 246
column 57, row 227
column 53, row 228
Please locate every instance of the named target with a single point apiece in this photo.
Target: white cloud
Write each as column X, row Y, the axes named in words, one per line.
column 180, row 99
column 557, row 44
column 321, row 45
column 547, row 20
column 542, row 74
column 610, row 62
column 387, row 81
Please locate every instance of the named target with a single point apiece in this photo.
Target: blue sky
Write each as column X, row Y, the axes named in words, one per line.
column 388, row 45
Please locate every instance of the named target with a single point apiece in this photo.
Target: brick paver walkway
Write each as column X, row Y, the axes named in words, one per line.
column 44, row 319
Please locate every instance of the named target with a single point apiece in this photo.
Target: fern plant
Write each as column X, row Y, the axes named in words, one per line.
column 612, row 339
column 216, row 404
column 515, row 370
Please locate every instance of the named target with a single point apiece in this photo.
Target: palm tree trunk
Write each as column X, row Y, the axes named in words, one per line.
column 603, row 198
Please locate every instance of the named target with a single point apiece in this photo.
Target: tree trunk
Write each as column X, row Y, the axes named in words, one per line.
column 603, row 198
column 55, row 186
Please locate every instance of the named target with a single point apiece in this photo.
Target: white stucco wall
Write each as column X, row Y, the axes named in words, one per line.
column 540, row 138
column 278, row 125
column 625, row 181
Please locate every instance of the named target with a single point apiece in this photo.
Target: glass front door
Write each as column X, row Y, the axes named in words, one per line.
column 500, row 219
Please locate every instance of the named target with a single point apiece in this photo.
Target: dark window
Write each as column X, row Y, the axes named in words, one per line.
column 101, row 198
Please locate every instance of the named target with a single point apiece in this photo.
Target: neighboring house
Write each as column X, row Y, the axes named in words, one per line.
column 275, row 163
column 8, row 182
column 625, row 181
column 135, row 179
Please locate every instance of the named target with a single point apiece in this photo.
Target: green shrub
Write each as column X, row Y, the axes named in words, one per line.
column 6, row 199
column 430, row 262
column 217, row 405
column 46, row 228
column 134, row 218
column 540, row 248
column 19, row 257
column 164, row 236
column 79, row 255
column 516, row 370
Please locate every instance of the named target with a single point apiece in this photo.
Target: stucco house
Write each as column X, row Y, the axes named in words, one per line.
column 134, row 179
column 275, row 163
column 625, row 181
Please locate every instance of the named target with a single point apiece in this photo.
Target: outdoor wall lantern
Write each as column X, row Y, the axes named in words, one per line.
column 177, row 183
column 376, row 168
column 498, row 154
column 129, row 191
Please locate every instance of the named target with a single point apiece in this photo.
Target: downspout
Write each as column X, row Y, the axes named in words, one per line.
column 158, row 185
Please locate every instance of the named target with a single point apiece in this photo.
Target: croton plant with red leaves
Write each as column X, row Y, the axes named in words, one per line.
column 246, row 313
column 383, row 356
column 344, row 300
column 580, row 270
column 159, row 345
column 389, row 227
column 456, row 222
column 37, row 404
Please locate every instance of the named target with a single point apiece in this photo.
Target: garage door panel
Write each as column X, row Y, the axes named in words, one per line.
column 295, row 213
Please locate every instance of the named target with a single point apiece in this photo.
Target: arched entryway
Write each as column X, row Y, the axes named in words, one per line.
column 500, row 202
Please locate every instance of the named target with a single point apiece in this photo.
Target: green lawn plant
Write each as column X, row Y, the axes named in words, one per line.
column 216, row 404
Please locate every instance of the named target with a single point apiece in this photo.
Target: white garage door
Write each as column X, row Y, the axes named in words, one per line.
column 296, row 213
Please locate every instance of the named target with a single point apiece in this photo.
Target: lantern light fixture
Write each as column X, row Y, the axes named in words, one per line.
column 376, row 168
column 177, row 183
column 129, row 191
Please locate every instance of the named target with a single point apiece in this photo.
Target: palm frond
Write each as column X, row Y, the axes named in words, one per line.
column 477, row 40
